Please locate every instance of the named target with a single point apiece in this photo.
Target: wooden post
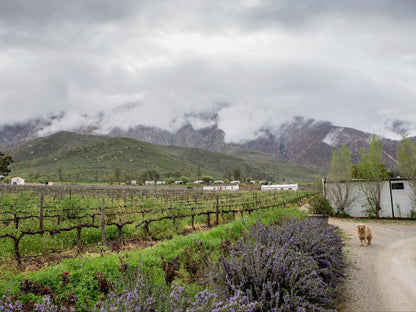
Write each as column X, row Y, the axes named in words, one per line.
column 41, row 213
column 217, row 213
column 193, row 225
column 103, row 221
column 79, row 243
column 171, row 210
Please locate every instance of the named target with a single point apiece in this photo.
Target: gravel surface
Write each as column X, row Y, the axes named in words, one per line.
column 380, row 277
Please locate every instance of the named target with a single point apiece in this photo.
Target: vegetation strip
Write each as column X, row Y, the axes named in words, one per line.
column 297, row 265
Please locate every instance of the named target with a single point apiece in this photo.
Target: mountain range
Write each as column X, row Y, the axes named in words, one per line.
column 305, row 142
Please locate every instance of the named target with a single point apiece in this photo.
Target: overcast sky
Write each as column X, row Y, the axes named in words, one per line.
column 254, row 63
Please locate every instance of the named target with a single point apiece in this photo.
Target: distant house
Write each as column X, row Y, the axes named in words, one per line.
column 18, row 181
column 179, row 182
column 199, row 182
column 221, row 188
column 160, row 182
column 280, row 187
column 149, row 182
column 235, row 182
column 218, row 182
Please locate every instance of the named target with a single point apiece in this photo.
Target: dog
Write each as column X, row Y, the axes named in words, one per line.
column 364, row 233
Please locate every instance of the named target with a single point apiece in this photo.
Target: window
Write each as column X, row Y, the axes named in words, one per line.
column 397, row 186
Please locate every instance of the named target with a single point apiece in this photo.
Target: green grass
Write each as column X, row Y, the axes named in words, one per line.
column 84, row 269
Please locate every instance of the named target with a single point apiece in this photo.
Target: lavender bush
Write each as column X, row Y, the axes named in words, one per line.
column 294, row 267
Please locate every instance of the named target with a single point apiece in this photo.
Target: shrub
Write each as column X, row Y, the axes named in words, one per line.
column 295, row 267
column 320, row 205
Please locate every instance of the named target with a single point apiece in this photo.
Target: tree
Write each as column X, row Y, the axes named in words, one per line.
column 374, row 172
column 117, row 173
column 340, row 174
column 237, row 174
column 406, row 161
column 207, row 179
column 185, row 180
column 5, row 161
column 406, row 157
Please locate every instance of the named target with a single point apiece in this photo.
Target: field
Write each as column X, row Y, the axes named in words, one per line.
column 233, row 241
column 35, row 221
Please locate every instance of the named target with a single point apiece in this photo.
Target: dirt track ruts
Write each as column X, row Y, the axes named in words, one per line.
column 380, row 277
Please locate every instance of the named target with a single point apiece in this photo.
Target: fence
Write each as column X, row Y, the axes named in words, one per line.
column 59, row 219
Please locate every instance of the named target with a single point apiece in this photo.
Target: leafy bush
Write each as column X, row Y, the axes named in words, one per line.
column 295, row 267
column 320, row 205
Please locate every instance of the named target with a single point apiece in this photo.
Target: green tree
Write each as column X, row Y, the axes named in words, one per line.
column 237, row 174
column 5, row 161
column 117, row 173
column 373, row 171
column 406, row 157
column 128, row 178
column 33, row 174
column 406, row 162
column 184, row 179
column 339, row 189
column 207, row 179
column 60, row 175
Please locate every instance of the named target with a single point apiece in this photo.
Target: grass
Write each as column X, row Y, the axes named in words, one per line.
column 83, row 270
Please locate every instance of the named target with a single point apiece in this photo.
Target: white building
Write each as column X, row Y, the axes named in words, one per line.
column 280, row 187
column 18, row 181
column 397, row 198
column 221, row 188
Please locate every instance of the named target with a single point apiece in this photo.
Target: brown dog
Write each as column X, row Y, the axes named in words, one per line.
column 364, row 233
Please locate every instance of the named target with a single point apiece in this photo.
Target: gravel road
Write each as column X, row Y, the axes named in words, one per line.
column 380, row 277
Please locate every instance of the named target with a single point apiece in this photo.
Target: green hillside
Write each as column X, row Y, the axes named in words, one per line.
column 66, row 156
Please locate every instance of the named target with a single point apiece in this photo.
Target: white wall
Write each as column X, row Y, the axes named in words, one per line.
column 402, row 199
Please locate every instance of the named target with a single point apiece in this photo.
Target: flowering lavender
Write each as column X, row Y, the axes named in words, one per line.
column 294, row 267
column 7, row 305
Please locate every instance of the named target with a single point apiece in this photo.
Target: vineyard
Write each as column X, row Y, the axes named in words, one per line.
column 43, row 220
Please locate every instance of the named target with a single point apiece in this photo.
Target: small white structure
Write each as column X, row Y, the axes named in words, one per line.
column 221, row 188
column 218, row 182
column 397, row 199
column 133, row 182
column 235, row 182
column 160, row 182
column 149, row 182
column 280, row 187
column 199, row 182
column 18, row 181
column 179, row 182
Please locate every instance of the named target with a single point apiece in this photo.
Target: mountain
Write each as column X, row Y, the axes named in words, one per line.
column 71, row 156
column 300, row 141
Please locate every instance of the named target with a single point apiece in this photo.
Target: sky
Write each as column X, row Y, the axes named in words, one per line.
column 253, row 64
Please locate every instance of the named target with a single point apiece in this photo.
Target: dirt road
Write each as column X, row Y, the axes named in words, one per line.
column 381, row 277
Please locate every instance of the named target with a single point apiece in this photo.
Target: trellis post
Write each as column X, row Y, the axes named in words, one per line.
column 103, row 221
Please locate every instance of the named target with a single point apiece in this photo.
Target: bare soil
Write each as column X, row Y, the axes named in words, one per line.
column 380, row 277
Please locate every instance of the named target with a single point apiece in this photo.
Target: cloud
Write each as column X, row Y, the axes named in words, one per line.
column 246, row 65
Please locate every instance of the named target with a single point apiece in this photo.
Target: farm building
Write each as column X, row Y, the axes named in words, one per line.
column 18, row 181
column 221, row 188
column 397, row 198
column 149, row 182
column 280, row 187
